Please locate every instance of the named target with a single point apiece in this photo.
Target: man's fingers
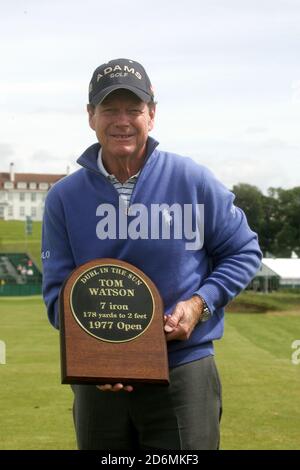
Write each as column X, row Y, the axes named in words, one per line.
column 172, row 335
column 115, row 388
column 174, row 319
column 105, row 388
column 178, row 333
column 168, row 328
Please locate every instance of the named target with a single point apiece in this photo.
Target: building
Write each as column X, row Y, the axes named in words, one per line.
column 278, row 272
column 23, row 194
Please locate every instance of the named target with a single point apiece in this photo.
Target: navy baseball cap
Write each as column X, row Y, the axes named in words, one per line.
column 116, row 74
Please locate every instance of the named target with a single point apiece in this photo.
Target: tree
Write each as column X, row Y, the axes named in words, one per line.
column 251, row 200
column 275, row 217
column 288, row 235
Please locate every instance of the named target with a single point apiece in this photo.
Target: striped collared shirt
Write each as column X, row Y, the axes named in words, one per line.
column 125, row 189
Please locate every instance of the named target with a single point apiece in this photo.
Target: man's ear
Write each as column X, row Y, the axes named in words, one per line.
column 152, row 111
column 91, row 112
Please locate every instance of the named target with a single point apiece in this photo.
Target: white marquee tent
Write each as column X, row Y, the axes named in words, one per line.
column 286, row 269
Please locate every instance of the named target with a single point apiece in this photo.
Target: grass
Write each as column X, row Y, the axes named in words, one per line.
column 280, row 301
column 35, row 407
column 260, row 383
column 13, row 239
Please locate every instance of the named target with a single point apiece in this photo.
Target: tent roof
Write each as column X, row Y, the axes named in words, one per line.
column 286, row 268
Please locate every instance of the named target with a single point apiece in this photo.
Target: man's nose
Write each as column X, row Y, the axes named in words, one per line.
column 122, row 119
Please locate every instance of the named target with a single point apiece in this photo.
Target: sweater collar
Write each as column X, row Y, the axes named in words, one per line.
column 89, row 158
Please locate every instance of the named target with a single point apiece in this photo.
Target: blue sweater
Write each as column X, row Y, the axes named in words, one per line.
column 218, row 270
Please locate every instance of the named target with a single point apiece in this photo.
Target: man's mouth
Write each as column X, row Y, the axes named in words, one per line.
column 122, row 136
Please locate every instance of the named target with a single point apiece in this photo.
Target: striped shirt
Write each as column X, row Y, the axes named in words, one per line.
column 125, row 189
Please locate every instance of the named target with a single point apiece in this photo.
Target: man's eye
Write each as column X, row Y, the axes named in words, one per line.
column 135, row 112
column 108, row 111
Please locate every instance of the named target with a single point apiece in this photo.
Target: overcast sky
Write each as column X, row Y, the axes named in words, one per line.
column 226, row 75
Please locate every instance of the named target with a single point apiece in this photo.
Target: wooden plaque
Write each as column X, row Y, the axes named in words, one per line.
column 111, row 326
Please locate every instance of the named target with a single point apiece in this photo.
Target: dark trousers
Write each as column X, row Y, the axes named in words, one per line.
column 185, row 415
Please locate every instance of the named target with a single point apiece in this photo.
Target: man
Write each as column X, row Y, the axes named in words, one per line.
column 200, row 253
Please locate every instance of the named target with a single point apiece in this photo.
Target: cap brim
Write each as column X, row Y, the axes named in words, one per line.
column 97, row 99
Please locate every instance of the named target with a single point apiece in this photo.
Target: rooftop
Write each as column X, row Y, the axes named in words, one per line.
column 287, row 268
column 29, row 178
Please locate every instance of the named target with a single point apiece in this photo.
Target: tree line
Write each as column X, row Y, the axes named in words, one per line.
column 275, row 217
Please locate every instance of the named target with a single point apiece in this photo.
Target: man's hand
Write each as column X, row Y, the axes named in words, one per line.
column 115, row 387
column 181, row 323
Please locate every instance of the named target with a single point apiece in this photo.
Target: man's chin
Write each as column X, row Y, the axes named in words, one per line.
column 123, row 150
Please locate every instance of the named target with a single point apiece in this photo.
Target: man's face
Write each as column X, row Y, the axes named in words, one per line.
column 122, row 122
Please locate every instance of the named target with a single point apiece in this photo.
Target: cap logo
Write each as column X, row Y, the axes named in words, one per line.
column 120, row 73
column 125, row 68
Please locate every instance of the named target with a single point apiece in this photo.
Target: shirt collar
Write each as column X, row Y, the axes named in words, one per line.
column 101, row 166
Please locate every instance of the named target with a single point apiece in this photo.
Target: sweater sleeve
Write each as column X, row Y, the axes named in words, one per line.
column 57, row 255
column 230, row 243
